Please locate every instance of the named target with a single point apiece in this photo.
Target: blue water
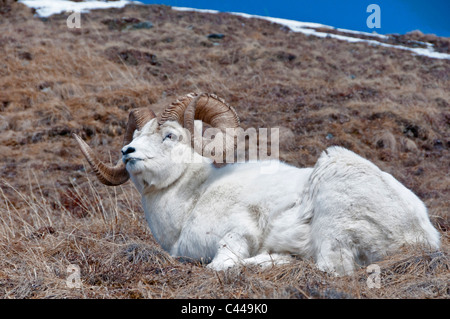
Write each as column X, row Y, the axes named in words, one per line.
column 396, row 16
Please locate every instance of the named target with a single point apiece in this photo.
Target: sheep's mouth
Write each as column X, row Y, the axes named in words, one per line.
column 131, row 160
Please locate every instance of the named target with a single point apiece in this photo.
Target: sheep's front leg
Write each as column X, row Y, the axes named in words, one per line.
column 267, row 260
column 232, row 249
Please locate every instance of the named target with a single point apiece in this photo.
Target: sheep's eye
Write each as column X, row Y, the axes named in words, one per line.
column 170, row 136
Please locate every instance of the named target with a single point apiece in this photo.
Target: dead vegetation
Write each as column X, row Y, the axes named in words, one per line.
column 387, row 105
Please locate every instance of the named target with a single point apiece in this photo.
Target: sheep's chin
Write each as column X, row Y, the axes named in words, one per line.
column 135, row 166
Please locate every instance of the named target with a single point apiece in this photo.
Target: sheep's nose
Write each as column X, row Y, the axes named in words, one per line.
column 128, row 150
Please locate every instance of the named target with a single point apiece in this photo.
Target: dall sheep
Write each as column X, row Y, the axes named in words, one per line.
column 343, row 213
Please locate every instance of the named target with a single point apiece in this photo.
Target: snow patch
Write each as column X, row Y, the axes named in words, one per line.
column 310, row 28
column 46, row 8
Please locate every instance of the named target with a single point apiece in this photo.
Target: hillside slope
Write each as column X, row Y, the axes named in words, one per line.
column 385, row 104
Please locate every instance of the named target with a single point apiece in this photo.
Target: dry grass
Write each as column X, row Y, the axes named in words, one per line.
column 387, row 105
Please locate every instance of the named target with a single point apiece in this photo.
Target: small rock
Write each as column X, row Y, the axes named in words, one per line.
column 286, row 56
column 411, row 130
column 438, row 144
column 216, row 36
column 386, row 140
column 142, row 25
column 25, row 56
column 44, row 85
column 408, row 145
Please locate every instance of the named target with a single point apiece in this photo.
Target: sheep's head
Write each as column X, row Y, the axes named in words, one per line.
column 150, row 143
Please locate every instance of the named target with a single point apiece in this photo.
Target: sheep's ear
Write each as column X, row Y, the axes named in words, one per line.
column 154, row 124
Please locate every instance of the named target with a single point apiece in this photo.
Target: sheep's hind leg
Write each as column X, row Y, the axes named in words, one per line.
column 232, row 249
column 334, row 258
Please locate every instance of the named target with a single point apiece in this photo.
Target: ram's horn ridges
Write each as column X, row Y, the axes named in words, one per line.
column 175, row 111
column 208, row 108
column 214, row 111
column 108, row 175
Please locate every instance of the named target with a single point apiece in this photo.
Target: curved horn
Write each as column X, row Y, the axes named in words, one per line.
column 205, row 107
column 216, row 112
column 116, row 175
column 175, row 111
column 212, row 110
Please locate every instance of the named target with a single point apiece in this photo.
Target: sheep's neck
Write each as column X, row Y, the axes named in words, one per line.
column 166, row 210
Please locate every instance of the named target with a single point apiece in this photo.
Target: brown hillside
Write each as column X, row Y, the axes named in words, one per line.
column 385, row 104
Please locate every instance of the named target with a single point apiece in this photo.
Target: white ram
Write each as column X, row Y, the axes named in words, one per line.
column 344, row 212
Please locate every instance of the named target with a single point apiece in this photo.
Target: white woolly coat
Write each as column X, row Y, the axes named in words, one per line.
column 344, row 212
